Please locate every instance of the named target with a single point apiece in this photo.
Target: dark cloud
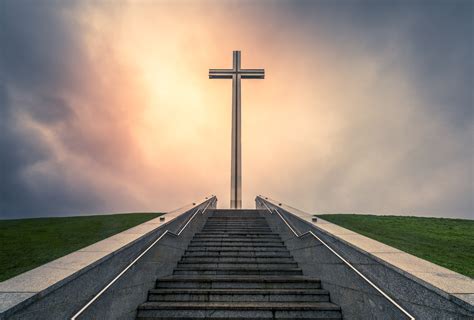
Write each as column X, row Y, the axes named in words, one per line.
column 39, row 56
column 434, row 37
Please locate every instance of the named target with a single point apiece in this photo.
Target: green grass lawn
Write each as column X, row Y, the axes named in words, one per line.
column 446, row 242
column 28, row 243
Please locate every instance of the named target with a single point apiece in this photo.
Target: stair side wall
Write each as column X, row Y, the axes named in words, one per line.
column 356, row 297
column 120, row 301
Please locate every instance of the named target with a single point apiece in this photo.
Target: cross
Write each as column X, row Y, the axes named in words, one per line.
column 236, row 73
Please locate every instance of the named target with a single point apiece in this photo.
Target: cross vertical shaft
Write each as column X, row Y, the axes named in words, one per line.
column 236, row 74
column 236, row 152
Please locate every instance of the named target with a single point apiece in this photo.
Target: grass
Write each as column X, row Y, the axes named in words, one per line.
column 445, row 242
column 28, row 243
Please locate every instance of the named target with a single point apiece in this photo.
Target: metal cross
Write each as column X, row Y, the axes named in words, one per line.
column 236, row 74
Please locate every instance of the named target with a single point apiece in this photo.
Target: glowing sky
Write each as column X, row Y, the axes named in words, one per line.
column 366, row 107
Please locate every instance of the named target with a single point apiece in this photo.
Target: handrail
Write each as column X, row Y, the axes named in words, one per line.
column 97, row 296
column 385, row 295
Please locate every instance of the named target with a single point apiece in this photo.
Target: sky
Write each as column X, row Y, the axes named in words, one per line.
column 366, row 106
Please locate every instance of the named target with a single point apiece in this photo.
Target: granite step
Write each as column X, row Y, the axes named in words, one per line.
column 240, row 229
column 236, row 248
column 237, row 270
column 238, row 310
column 228, row 235
column 236, row 219
column 236, row 259
column 237, row 233
column 261, row 222
column 240, row 224
column 240, row 264
column 233, row 253
column 239, row 282
column 194, row 244
column 233, row 216
column 234, row 240
column 250, row 224
column 239, row 295
column 237, row 224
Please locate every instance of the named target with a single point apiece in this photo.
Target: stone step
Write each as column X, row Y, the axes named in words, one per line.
column 230, row 253
column 238, row 219
column 246, row 239
column 239, row 295
column 259, row 224
column 238, row 282
column 226, row 243
column 235, row 226
column 241, row 245
column 242, row 232
column 234, row 240
column 238, row 310
column 237, row 248
column 241, row 216
column 261, row 221
column 246, row 225
column 236, row 233
column 236, row 259
column 237, row 270
column 229, row 231
column 226, row 235
column 240, row 264
column 245, row 222
column 232, row 227
column 239, row 229
column 235, row 244
column 237, row 223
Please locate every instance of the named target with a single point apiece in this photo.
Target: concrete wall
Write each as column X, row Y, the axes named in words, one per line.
column 120, row 301
column 356, row 297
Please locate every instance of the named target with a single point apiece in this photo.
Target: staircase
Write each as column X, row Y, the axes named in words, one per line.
column 237, row 268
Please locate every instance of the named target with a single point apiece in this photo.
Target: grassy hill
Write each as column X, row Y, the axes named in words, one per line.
column 446, row 242
column 28, row 243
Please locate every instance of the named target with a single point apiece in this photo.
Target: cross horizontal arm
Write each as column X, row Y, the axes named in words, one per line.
column 253, row 76
column 232, row 71
column 219, row 71
column 220, row 76
column 244, row 73
column 251, row 71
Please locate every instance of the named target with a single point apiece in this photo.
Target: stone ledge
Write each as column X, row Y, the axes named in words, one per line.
column 34, row 284
column 452, row 285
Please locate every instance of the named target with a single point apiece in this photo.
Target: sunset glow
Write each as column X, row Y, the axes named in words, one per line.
column 346, row 120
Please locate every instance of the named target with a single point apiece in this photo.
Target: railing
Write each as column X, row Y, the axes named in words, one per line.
column 373, row 285
column 212, row 200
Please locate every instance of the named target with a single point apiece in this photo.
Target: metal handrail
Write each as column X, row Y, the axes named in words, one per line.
column 385, row 295
column 97, row 296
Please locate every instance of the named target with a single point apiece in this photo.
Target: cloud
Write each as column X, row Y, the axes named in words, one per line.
column 38, row 48
column 400, row 95
column 366, row 107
